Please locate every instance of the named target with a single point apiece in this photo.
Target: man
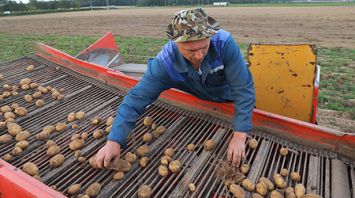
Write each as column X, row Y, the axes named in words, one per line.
column 200, row 59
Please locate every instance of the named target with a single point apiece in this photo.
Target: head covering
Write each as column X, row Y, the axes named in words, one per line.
column 191, row 25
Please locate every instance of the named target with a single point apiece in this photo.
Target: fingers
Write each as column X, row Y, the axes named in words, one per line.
column 99, row 159
column 230, row 155
column 235, row 157
column 239, row 157
column 107, row 159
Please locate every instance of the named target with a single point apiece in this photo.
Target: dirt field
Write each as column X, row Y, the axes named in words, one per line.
column 325, row 26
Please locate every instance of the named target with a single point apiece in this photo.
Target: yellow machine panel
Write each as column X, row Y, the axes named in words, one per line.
column 284, row 78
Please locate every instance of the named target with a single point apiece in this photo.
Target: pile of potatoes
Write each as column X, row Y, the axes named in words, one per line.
column 157, row 130
column 168, row 164
column 76, row 116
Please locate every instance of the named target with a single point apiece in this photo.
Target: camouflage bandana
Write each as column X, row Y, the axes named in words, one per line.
column 191, row 25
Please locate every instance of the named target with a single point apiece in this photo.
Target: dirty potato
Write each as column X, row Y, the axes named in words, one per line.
column 7, row 87
column 76, row 144
column 148, row 121
column 248, row 184
column 93, row 190
column 96, row 120
column 80, row 115
column 30, row 168
column 93, row 163
column 143, row 162
column 21, row 111
column 155, row 134
column 261, row 188
column 84, row 136
column 252, row 143
column 40, row 103
column 165, row 160
column 13, row 128
column 120, row 165
column 57, row 160
column 2, row 124
column 142, row 150
column 60, row 97
column 163, row 170
column 61, row 126
column 81, row 159
column 25, row 87
column 284, row 172
column 42, row 89
column 50, row 143
column 300, row 190
column 311, row 195
column 48, row 129
column 144, row 192
column 7, row 157
column 75, row 136
column 16, row 151
column 118, row 176
column 244, row 168
column 14, row 93
column 98, row 133
column 192, row 187
column 154, row 126
column 53, row 150
column 108, row 129
column 191, row 147
column 6, row 108
column 71, row 117
column 14, row 106
column 2, row 77
column 209, row 145
column 6, row 94
column 169, row 152
column 109, row 121
column 276, row 194
column 77, row 153
column 37, row 95
column 9, row 115
column 72, row 190
column 161, row 130
column 130, row 157
column 43, row 135
column 25, row 81
column 256, row 195
column 279, row 181
column 30, row 68
column 283, row 151
column 74, row 126
column 174, row 166
column 147, row 137
column 27, row 98
column 268, row 183
column 237, row 191
column 6, row 138
column 289, row 193
column 55, row 95
column 23, row 144
column 295, row 176
column 33, row 85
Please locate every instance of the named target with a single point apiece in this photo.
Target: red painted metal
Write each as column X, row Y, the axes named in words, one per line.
column 107, row 42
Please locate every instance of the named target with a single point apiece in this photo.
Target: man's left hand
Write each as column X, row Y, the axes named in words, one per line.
column 236, row 148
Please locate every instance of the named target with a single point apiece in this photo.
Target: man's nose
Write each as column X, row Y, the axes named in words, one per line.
column 199, row 55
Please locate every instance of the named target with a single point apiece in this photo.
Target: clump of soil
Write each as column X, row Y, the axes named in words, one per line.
column 229, row 174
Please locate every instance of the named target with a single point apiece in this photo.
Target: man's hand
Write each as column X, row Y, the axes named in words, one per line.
column 110, row 151
column 236, row 148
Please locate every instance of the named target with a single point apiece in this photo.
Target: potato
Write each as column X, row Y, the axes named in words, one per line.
column 42, row 89
column 96, row 120
column 276, row 194
column 76, row 144
column 144, row 192
column 80, row 115
column 13, row 128
column 261, row 188
column 143, row 162
column 169, row 152
column 118, row 176
column 142, row 150
column 9, row 115
column 6, row 94
column 284, row 172
column 93, row 163
column 98, row 133
column 192, row 187
column 300, row 190
column 279, row 181
column 14, row 105
column 16, row 151
column 74, row 126
column 61, row 90
column 81, row 159
column 25, row 87
column 283, row 151
column 22, row 144
column 7, row 87
column 71, row 117
column 244, row 168
column 191, row 147
column 6, row 138
column 30, row 168
column 209, row 145
column 40, row 103
column 55, row 95
column 248, row 185
column 61, row 126
column 120, row 165
column 147, row 137
column 295, row 176
column 174, row 166
column 6, row 108
column 43, row 135
column 53, row 150
column 130, row 157
column 75, row 136
column 268, row 183
column 48, row 129
column 21, row 111
column 28, row 98
column 256, row 195
column 165, row 160
column 57, row 160
column 50, row 143
column 253, row 143
column 77, row 153
column 93, row 190
column 25, row 81
column 7, row 157
column 311, row 195
column 161, row 130
column 148, row 121
column 108, row 129
column 84, row 136
column 163, row 170
column 49, row 88
column 60, row 97
column 37, row 95
column 33, row 85
column 14, row 93
column 154, row 126
column 289, row 193
column 2, row 77
column 9, row 120
column 155, row 134
column 109, row 121
column 72, row 190
column 237, row 191
column 2, row 125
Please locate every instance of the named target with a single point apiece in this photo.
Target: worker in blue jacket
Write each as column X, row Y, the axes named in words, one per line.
column 200, row 59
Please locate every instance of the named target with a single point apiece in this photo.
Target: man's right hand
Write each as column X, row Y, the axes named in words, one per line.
column 110, row 151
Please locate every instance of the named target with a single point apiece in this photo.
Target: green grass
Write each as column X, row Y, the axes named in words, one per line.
column 293, row 4
column 337, row 90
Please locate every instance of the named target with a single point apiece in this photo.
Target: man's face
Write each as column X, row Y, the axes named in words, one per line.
column 194, row 51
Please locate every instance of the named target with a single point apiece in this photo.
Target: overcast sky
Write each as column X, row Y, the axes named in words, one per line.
column 23, row 1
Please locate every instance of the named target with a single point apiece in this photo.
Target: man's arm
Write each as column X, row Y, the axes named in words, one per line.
column 242, row 88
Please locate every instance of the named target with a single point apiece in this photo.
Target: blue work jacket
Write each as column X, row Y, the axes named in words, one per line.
column 223, row 77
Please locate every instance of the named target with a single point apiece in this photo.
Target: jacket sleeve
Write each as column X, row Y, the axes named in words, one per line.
column 242, row 86
column 154, row 81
